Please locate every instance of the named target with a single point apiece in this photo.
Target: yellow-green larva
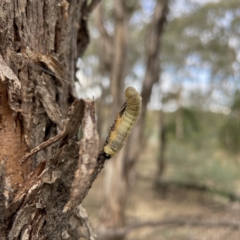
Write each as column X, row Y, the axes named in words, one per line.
column 124, row 122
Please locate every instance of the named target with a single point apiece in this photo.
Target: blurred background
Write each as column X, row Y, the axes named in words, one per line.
column 178, row 177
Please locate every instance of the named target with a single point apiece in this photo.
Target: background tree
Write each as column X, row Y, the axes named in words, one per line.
column 206, row 50
column 229, row 134
column 117, row 64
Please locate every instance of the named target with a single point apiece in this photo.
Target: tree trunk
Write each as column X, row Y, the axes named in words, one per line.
column 179, row 117
column 118, row 172
column 111, row 214
column 33, row 105
column 152, row 74
column 162, row 141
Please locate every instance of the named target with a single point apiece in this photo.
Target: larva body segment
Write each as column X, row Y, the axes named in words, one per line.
column 124, row 123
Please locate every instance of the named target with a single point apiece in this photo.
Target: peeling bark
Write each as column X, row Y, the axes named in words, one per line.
column 48, row 206
column 38, row 208
column 33, row 106
column 84, row 175
column 3, row 201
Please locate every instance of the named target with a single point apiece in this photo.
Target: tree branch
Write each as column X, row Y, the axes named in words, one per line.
column 92, row 6
column 152, row 73
column 198, row 187
column 106, row 39
column 88, row 151
column 81, row 213
column 153, row 50
column 177, row 222
column 72, row 123
column 100, row 25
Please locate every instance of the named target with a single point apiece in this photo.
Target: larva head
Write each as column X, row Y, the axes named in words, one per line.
column 130, row 92
column 108, row 152
column 106, row 155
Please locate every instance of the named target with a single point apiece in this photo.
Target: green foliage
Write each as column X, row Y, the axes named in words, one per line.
column 197, row 158
column 230, row 135
column 190, row 121
column 236, row 103
column 201, row 166
column 191, row 124
column 204, row 35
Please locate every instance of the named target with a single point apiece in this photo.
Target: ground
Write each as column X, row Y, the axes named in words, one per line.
column 198, row 159
column 145, row 204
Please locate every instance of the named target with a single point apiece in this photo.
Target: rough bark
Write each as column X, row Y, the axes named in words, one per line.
column 2, row 200
column 47, row 207
column 40, row 27
column 33, row 106
column 48, row 204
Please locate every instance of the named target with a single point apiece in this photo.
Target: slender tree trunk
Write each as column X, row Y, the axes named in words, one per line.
column 119, row 61
column 162, row 141
column 152, row 75
column 111, row 214
column 179, row 117
column 119, row 170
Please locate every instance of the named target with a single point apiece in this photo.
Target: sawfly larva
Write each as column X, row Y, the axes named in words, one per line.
column 124, row 122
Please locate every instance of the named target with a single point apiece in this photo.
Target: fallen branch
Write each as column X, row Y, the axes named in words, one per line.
column 166, row 184
column 161, row 184
column 177, row 222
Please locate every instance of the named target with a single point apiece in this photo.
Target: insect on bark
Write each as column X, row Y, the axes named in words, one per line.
column 124, row 123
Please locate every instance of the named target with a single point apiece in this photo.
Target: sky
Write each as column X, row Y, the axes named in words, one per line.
column 218, row 103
